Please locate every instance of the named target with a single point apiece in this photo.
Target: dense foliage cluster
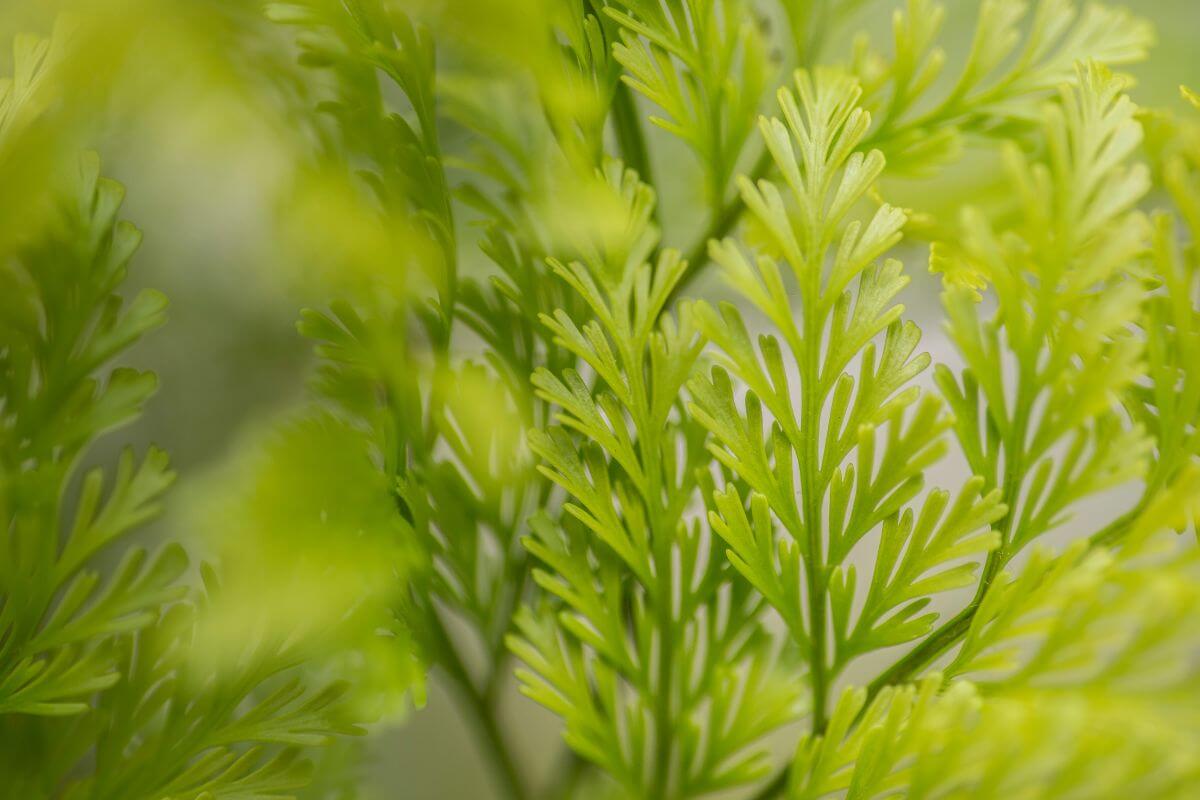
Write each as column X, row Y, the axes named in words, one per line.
column 695, row 523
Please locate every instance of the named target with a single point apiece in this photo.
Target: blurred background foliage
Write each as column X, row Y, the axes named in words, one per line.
column 200, row 109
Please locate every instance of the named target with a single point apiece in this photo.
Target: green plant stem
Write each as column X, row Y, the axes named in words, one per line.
column 775, row 787
column 662, row 703
column 1114, row 530
column 937, row 643
column 1119, row 527
column 718, row 227
column 664, row 613
column 567, row 776
column 952, row 631
column 815, row 569
column 902, row 671
column 504, row 765
column 924, row 654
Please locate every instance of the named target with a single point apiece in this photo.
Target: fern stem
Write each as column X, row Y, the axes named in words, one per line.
column 775, row 787
column 718, row 228
column 1114, row 530
column 924, row 654
column 902, row 671
column 661, row 539
column 664, row 592
column 495, row 746
column 951, row 632
column 568, row 774
column 815, row 569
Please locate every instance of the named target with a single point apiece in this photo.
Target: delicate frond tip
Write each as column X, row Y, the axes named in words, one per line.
column 616, row 232
column 815, row 151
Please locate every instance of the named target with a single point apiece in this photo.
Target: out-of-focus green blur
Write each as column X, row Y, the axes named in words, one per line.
column 199, row 108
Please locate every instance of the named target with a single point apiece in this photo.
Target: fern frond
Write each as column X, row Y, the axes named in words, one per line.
column 1066, row 283
column 396, row 154
column 641, row 593
column 61, row 327
column 704, row 63
column 1094, row 616
column 1071, row 659
column 916, row 741
column 1018, row 56
column 1168, row 404
column 810, row 505
column 170, row 730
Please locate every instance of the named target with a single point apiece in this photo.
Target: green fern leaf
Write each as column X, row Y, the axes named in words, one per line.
column 818, row 422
